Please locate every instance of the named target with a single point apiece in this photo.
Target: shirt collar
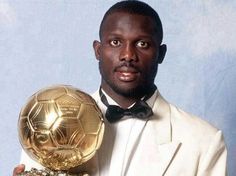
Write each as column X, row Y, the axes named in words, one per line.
column 149, row 101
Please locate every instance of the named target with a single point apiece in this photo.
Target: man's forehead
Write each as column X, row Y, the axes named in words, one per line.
column 121, row 23
column 116, row 16
column 118, row 19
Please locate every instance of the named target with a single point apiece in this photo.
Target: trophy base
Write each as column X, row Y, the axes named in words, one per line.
column 48, row 172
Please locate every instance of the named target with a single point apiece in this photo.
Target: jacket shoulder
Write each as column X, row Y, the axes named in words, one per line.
column 190, row 125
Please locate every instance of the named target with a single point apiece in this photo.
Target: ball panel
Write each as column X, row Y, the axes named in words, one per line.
column 43, row 116
column 62, row 159
column 50, row 93
column 100, row 135
column 43, row 143
column 80, row 95
column 26, row 109
column 68, row 132
column 88, row 144
column 68, row 106
column 89, row 118
column 24, row 131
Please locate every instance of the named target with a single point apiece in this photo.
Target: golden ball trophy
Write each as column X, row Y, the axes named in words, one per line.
column 61, row 128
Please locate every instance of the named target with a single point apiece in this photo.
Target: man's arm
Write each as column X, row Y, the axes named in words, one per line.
column 215, row 159
column 28, row 162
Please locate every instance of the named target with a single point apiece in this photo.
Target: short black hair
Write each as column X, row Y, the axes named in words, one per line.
column 134, row 7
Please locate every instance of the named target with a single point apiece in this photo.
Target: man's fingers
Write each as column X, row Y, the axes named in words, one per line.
column 17, row 170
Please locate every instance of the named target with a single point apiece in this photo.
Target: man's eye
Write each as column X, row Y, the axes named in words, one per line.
column 142, row 44
column 115, row 43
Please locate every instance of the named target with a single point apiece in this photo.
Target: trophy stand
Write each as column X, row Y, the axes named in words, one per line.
column 47, row 172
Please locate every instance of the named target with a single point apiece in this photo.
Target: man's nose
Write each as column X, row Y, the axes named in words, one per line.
column 128, row 53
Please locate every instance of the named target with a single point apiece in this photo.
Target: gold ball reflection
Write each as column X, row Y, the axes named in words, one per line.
column 61, row 127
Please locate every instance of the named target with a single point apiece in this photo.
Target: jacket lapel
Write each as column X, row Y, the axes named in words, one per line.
column 167, row 153
column 166, row 147
column 156, row 133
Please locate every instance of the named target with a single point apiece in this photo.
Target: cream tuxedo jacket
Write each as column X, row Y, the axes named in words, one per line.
column 170, row 143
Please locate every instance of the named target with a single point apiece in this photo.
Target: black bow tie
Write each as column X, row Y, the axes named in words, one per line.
column 114, row 113
column 140, row 110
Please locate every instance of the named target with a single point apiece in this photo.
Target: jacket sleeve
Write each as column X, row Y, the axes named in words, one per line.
column 29, row 163
column 214, row 162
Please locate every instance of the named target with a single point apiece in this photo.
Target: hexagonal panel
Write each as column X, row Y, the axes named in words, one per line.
column 89, row 118
column 43, row 116
column 50, row 93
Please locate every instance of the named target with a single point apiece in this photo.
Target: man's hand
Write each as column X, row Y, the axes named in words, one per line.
column 19, row 169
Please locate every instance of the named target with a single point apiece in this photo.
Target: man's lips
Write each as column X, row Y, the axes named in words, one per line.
column 126, row 74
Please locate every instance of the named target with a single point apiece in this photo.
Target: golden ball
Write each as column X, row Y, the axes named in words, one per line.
column 60, row 127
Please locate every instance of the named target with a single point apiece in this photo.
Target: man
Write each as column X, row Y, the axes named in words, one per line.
column 152, row 137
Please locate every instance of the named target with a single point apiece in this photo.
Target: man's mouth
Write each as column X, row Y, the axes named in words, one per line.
column 126, row 74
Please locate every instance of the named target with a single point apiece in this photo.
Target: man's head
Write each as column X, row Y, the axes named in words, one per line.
column 130, row 49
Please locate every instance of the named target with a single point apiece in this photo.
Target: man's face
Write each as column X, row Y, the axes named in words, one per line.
column 128, row 53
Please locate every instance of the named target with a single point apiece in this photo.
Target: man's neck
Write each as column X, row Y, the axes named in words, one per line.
column 124, row 101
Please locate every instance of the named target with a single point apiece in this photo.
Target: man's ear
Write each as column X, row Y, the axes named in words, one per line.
column 97, row 48
column 162, row 53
